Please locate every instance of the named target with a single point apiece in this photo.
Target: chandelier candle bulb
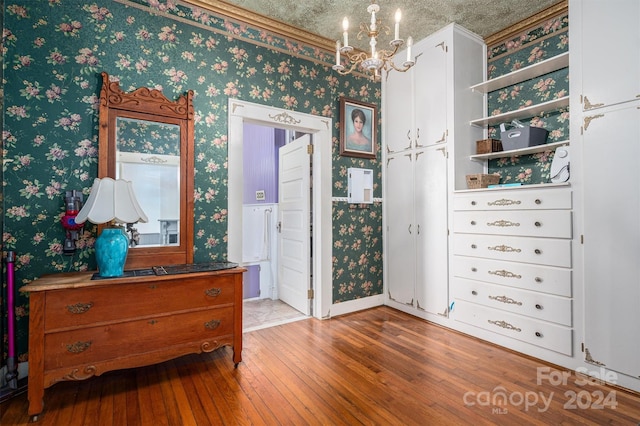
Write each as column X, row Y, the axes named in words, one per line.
column 345, row 29
column 338, row 53
column 397, row 27
column 409, row 44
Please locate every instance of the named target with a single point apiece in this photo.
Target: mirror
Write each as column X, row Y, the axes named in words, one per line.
column 148, row 140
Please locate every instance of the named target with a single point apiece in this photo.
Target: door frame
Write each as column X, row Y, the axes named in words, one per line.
column 320, row 129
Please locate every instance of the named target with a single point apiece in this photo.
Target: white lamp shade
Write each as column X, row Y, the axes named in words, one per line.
column 111, row 200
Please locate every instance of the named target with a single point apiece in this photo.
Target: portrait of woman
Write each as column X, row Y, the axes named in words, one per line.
column 357, row 129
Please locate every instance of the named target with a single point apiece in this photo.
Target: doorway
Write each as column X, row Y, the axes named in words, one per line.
column 319, row 129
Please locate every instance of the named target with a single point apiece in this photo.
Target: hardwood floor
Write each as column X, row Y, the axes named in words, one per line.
column 378, row 366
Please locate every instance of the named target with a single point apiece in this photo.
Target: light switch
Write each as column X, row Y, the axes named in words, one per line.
column 260, row 195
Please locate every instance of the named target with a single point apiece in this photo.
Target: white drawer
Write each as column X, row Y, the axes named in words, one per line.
column 541, row 251
column 520, row 275
column 532, row 223
column 533, row 304
column 516, row 199
column 540, row 333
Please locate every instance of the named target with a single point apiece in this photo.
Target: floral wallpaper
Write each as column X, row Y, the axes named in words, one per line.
column 53, row 52
column 535, row 45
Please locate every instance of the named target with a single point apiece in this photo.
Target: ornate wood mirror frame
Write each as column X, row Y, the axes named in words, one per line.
column 147, row 108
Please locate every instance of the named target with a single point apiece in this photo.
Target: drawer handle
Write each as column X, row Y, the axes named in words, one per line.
column 537, row 251
column 473, row 246
column 538, row 334
column 538, row 306
column 78, row 347
column 473, row 203
column 504, row 273
column 504, row 324
column 503, row 202
column 538, row 224
column 505, row 299
column 473, row 222
column 503, row 223
column 212, row 325
column 474, row 270
column 538, row 201
column 538, row 279
column 475, row 293
column 79, row 308
column 505, row 249
column 213, row 292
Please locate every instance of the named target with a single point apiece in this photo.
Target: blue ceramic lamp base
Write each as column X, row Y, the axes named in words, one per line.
column 111, row 252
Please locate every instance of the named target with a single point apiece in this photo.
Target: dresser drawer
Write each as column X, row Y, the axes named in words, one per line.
column 519, row 199
column 519, row 275
column 540, row 333
column 533, row 223
column 125, row 301
column 533, row 304
column 99, row 343
column 541, row 251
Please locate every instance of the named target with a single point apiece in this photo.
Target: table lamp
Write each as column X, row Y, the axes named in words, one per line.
column 114, row 202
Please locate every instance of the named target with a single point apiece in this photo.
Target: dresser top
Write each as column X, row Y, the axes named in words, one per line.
column 86, row 279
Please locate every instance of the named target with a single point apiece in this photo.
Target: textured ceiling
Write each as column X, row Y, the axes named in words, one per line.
column 420, row 18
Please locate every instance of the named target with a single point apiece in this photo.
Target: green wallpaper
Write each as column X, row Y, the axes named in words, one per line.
column 53, row 52
column 535, row 45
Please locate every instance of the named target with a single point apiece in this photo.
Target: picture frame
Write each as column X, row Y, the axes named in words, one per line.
column 358, row 124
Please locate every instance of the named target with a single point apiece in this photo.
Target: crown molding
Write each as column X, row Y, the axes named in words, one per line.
column 525, row 24
column 253, row 19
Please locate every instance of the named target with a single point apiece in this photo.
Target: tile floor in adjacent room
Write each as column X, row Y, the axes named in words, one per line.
column 265, row 313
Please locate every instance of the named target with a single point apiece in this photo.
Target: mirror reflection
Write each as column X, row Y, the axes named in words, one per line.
column 148, row 154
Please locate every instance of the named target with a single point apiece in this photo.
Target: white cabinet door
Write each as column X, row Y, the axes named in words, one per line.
column 430, row 79
column 611, row 149
column 398, row 111
column 400, row 246
column 430, row 182
column 611, row 52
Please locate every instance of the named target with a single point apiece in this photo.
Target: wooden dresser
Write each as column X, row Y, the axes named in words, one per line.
column 80, row 328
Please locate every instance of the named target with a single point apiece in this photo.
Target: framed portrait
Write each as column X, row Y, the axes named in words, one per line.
column 357, row 128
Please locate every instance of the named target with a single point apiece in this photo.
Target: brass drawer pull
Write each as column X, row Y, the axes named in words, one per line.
column 505, row 299
column 538, row 306
column 504, row 324
column 78, row 347
column 505, row 249
column 538, row 334
column 504, row 273
column 473, row 203
column 538, row 201
column 473, row 222
column 212, row 325
column 79, row 308
column 473, row 246
column 473, row 269
column 503, row 223
column 503, row 202
column 213, row 292
column 475, row 293
column 538, row 224
column 538, row 279
column 537, row 251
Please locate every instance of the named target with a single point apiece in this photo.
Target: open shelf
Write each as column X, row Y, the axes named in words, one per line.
column 522, row 113
column 543, row 67
column 518, row 152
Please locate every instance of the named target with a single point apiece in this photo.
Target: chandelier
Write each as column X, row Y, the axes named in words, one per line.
column 375, row 61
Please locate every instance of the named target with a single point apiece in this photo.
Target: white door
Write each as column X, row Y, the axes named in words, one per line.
column 400, row 249
column 294, row 173
column 432, row 293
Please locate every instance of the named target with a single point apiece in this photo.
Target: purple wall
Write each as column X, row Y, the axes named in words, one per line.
column 260, row 159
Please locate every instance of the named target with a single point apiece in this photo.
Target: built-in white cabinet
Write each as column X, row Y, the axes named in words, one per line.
column 426, row 112
column 605, row 66
column 511, row 264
